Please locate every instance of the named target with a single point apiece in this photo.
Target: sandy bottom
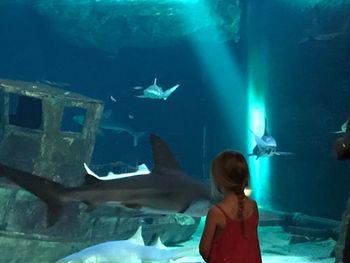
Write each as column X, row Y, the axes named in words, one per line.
column 275, row 247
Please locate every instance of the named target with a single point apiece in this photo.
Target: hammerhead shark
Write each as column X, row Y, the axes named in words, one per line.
column 156, row 92
column 166, row 190
column 266, row 146
column 107, row 123
column 132, row 250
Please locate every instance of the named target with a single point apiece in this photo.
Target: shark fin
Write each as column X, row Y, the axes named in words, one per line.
column 283, row 153
column 338, row 132
column 90, row 176
column 266, row 133
column 48, row 191
column 167, row 93
column 159, row 244
column 89, row 171
column 163, row 158
column 136, row 136
column 137, row 237
column 259, row 142
column 155, row 82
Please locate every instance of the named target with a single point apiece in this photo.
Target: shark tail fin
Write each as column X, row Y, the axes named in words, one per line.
column 48, row 191
column 136, row 136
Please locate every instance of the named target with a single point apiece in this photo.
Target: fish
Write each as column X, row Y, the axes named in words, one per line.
column 342, row 33
column 113, row 99
column 166, row 190
column 342, row 128
column 107, row 123
column 266, row 146
column 137, row 88
column 57, row 84
column 141, row 169
column 132, row 250
column 156, row 92
column 322, row 37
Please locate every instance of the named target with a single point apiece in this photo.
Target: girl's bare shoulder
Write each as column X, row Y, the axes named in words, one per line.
column 215, row 211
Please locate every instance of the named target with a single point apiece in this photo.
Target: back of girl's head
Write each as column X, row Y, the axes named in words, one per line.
column 230, row 171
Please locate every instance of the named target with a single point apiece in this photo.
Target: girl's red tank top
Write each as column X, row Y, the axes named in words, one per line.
column 232, row 247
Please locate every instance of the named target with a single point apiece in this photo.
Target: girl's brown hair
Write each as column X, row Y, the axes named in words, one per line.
column 230, row 172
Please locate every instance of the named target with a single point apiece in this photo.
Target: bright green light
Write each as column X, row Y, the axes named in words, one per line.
column 259, row 168
column 258, row 82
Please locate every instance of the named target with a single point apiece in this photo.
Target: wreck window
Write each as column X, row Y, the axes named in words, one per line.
column 25, row 111
column 73, row 119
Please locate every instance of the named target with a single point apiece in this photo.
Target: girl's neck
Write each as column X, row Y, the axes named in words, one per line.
column 231, row 195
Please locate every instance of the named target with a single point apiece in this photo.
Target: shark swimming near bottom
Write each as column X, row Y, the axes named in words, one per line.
column 266, row 146
column 165, row 190
column 132, row 250
column 107, row 123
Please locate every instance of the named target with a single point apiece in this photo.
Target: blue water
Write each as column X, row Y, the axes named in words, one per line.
column 306, row 93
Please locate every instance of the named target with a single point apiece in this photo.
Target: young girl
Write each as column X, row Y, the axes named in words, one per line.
column 230, row 232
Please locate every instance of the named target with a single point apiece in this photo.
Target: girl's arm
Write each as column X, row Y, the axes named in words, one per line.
column 208, row 233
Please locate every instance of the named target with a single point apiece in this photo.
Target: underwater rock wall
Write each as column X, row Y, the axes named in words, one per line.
column 110, row 25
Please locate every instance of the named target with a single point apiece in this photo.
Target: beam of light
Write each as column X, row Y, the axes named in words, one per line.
column 221, row 70
column 259, row 168
column 258, row 79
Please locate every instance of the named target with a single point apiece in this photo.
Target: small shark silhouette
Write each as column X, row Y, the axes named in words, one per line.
column 156, row 92
column 342, row 33
column 266, row 146
column 107, row 123
column 141, row 169
column 166, row 190
column 342, row 128
column 132, row 250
